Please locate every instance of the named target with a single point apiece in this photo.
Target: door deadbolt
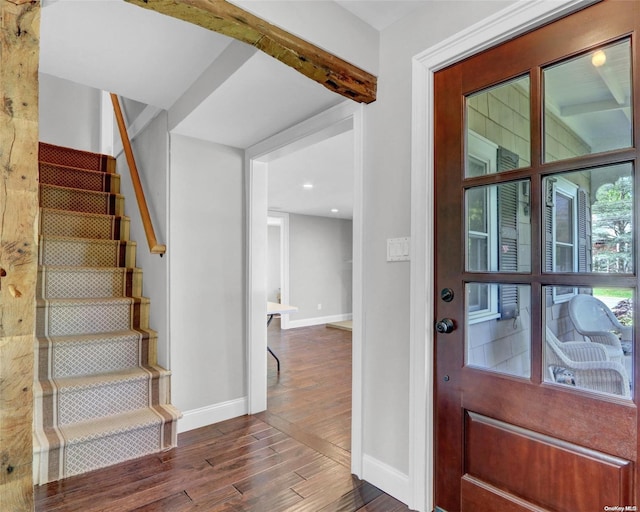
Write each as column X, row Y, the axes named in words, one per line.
column 446, row 294
column 445, row 326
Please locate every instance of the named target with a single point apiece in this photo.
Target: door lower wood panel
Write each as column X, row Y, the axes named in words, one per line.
column 479, row 495
column 542, row 470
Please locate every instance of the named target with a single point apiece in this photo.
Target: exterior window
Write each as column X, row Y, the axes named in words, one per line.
column 564, row 233
column 494, row 238
column 482, row 224
column 482, row 253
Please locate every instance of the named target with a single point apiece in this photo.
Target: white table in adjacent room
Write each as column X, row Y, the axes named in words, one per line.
column 273, row 309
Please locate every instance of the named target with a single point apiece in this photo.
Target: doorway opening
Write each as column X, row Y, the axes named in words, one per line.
column 346, row 118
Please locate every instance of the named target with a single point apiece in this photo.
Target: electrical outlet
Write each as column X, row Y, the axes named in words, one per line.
column 319, row 307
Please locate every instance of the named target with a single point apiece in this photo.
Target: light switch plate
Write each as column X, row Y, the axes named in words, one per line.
column 398, row 249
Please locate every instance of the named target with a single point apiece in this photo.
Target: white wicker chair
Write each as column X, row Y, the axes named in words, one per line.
column 589, row 363
column 593, row 319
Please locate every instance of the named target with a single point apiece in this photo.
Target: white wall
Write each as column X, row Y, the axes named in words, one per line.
column 207, row 281
column 151, row 151
column 320, row 268
column 69, row 114
column 387, row 215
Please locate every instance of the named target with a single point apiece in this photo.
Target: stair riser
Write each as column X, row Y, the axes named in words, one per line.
column 82, row 201
column 106, row 452
column 90, row 318
column 84, row 404
column 88, row 283
column 87, row 253
column 68, row 224
column 79, row 178
column 63, row 358
column 62, row 462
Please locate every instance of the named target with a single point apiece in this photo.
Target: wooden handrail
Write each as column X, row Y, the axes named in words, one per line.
column 154, row 246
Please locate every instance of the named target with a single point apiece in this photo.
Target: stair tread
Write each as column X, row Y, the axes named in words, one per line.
column 82, row 214
column 98, row 300
column 72, row 384
column 72, row 168
column 68, row 268
column 83, row 338
column 80, row 190
column 92, row 240
column 102, row 427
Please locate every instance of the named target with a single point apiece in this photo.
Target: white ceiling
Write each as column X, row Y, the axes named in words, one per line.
column 154, row 59
column 380, row 13
column 261, row 98
column 119, row 47
column 327, row 166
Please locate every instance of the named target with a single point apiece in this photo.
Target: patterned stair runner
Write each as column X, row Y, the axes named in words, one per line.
column 100, row 398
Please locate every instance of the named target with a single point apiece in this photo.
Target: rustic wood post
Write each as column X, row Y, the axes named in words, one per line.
column 19, row 52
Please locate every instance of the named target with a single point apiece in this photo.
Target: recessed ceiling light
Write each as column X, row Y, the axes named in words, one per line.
column 307, row 185
column 334, row 210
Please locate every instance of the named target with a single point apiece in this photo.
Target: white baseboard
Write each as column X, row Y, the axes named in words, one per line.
column 210, row 414
column 307, row 322
column 386, row 478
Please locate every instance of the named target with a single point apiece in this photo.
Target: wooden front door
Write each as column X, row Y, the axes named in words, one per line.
column 537, row 381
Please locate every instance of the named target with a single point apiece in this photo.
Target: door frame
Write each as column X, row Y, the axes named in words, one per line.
column 338, row 119
column 523, row 16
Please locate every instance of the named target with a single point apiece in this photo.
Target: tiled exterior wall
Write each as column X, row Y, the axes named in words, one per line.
column 561, row 142
column 502, row 116
column 502, row 345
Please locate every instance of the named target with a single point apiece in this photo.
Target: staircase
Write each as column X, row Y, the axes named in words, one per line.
column 99, row 396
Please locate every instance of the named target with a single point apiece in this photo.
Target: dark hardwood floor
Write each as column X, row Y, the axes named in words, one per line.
column 295, row 457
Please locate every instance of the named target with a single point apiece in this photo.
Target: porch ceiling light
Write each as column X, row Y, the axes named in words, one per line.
column 599, row 58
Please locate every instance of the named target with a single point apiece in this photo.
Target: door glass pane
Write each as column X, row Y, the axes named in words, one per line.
column 588, row 220
column 498, row 129
column 564, row 218
column 498, row 328
column 478, row 199
column 498, row 228
column 588, row 103
column 589, row 339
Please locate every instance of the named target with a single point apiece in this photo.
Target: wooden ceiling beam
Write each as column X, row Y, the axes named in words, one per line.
column 323, row 67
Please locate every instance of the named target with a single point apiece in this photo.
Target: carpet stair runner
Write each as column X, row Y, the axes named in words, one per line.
column 99, row 396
